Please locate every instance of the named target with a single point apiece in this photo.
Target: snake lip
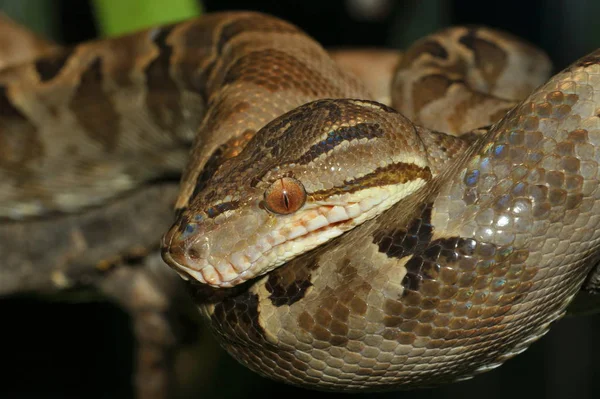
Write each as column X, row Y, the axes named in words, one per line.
column 183, row 256
column 194, row 257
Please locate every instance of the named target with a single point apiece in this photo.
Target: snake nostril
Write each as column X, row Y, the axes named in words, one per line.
column 194, row 253
column 198, row 250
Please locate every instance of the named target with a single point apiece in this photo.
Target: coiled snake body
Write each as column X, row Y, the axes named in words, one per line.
column 331, row 241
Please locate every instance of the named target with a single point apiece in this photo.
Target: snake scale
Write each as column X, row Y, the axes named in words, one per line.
column 331, row 241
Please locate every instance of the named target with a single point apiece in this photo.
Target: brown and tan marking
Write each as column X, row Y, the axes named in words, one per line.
column 482, row 72
column 481, row 246
column 457, row 276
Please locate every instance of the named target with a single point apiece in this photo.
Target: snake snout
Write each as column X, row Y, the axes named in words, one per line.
column 187, row 254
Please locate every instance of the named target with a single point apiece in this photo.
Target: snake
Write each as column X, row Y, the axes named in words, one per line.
column 330, row 240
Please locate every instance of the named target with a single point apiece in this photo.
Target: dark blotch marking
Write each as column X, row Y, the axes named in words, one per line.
column 416, row 241
column 429, row 47
column 288, row 285
column 49, row 67
column 470, row 39
column 336, row 137
column 293, row 120
column 290, row 125
column 158, row 69
column 197, row 62
column 237, row 316
column 216, row 210
column 430, row 88
column 395, row 173
column 490, row 59
column 94, row 109
column 164, row 100
column 424, row 265
column 399, row 243
column 183, row 221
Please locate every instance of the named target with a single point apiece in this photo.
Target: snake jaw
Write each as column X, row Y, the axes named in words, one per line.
column 249, row 242
column 203, row 257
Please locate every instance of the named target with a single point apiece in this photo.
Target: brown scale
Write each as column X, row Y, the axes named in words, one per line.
column 450, row 281
column 359, row 325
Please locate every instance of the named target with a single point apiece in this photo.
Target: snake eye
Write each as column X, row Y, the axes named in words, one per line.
column 285, row 196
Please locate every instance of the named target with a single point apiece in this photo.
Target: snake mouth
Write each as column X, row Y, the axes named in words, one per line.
column 317, row 225
column 291, row 236
column 206, row 259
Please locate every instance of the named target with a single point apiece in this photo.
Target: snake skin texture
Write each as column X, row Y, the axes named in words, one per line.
column 451, row 281
column 453, row 286
column 471, row 210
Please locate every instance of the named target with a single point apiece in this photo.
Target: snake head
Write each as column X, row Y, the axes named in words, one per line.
column 305, row 178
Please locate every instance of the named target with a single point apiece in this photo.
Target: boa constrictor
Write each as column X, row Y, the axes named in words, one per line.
column 331, row 241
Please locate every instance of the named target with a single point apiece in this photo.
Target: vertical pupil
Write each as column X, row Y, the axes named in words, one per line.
column 286, row 200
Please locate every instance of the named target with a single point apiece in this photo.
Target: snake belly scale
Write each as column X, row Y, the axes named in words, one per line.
column 331, row 241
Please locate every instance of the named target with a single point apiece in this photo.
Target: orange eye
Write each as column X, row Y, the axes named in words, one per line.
column 285, row 196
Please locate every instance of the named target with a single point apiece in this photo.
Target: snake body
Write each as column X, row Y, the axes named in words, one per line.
column 330, row 241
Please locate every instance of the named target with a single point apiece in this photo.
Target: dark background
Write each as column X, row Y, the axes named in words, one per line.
column 84, row 349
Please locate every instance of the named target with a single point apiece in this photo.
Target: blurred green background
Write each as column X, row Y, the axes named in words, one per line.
column 85, row 350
